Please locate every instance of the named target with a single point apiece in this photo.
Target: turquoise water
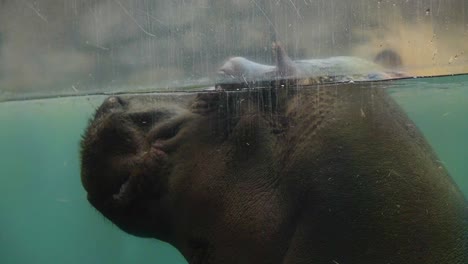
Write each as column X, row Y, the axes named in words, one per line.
column 45, row 217
column 439, row 107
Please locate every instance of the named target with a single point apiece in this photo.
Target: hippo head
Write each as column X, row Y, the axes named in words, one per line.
column 127, row 160
column 149, row 164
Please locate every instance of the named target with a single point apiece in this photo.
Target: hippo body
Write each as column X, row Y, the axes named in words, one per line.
column 322, row 174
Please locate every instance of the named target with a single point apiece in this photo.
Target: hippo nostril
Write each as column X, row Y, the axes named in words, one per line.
column 112, row 100
column 110, row 105
column 115, row 101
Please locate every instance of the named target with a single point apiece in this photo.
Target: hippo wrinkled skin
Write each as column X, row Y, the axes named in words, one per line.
column 325, row 174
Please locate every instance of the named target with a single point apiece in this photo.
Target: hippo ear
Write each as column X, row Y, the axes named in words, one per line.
column 285, row 66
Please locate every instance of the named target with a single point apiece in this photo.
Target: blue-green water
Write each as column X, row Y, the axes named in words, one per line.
column 44, row 215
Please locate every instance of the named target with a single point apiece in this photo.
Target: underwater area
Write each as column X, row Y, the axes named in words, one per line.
column 47, row 219
column 170, row 131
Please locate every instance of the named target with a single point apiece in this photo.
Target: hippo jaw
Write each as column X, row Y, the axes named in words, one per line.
column 127, row 157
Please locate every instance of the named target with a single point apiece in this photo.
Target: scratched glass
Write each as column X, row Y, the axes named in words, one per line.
column 59, row 60
column 78, row 47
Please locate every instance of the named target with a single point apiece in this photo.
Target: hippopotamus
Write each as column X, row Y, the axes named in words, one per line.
column 387, row 65
column 333, row 174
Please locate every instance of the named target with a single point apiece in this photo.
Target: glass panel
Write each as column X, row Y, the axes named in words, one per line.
column 233, row 131
column 78, row 47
